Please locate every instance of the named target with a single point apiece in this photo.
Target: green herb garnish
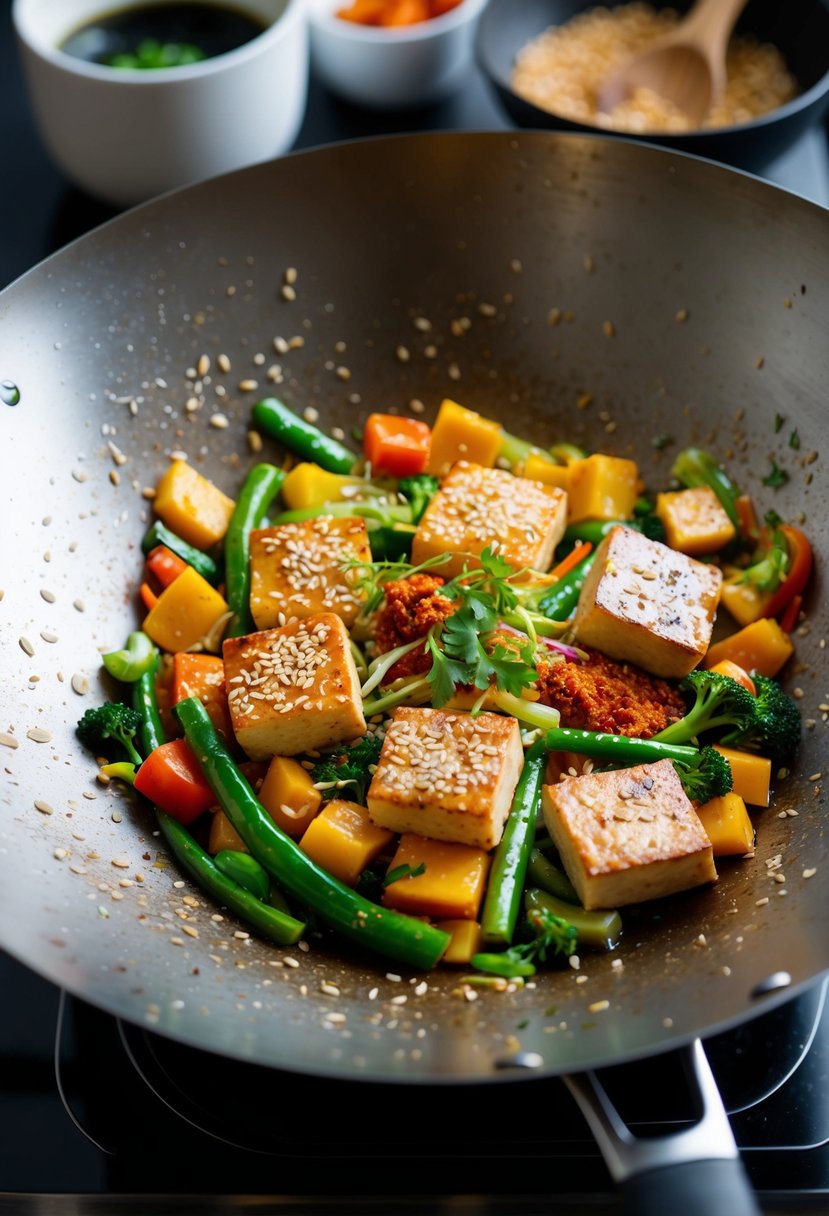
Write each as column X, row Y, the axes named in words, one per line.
column 776, row 476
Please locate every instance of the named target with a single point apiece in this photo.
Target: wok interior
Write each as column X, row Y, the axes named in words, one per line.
column 615, row 295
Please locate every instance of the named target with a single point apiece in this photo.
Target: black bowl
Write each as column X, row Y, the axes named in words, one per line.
column 799, row 28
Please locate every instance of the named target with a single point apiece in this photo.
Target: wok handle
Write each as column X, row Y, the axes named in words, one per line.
column 692, row 1172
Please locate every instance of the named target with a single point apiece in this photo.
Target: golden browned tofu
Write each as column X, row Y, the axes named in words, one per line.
column 447, row 775
column 297, row 569
column 476, row 507
column 647, row 604
column 294, row 688
column 627, row 836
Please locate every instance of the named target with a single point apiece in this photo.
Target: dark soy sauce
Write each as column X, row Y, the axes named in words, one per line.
column 214, row 29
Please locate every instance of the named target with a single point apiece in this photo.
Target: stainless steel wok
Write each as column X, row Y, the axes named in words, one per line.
column 616, row 295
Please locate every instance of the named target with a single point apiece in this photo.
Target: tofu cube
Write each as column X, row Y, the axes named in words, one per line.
column 296, row 569
column 627, row 836
column 476, row 506
column 343, row 840
column 447, row 775
column 450, row 885
column 644, row 603
column 695, row 521
column 294, row 688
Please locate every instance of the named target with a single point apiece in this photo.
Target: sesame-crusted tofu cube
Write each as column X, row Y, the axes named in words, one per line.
column 298, row 569
column 644, row 603
column 293, row 688
column 627, row 836
column 476, row 507
column 447, row 775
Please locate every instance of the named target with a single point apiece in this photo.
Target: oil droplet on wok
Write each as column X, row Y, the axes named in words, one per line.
column 9, row 392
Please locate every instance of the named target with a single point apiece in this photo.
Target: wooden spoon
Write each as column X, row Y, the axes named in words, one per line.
column 687, row 66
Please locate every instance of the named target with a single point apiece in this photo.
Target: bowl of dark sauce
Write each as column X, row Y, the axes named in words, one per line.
column 137, row 99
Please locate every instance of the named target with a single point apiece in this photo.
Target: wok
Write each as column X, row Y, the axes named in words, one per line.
column 717, row 288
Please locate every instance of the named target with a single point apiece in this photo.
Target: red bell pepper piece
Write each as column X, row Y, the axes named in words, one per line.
column 797, row 575
column 172, row 779
column 397, row 446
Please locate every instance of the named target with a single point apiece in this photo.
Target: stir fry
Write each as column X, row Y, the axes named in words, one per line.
column 456, row 698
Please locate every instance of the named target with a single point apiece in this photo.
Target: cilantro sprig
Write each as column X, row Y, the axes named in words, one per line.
column 550, row 935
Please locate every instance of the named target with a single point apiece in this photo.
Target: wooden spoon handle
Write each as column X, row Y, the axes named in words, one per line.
column 710, row 22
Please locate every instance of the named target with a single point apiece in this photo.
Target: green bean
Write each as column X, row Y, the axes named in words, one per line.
column 301, row 438
column 593, row 530
column 261, row 485
column 369, row 925
column 560, row 601
column 272, row 922
column 245, row 870
column 509, row 865
column 203, row 563
column 129, row 664
column 541, row 872
column 600, row 929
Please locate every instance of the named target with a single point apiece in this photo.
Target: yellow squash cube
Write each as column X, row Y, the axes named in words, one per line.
column 307, row 485
column 185, row 612
column 343, row 840
column 223, row 835
column 602, row 487
column 727, row 825
column 288, row 795
column 760, row 647
column 540, row 468
column 465, row 940
column 452, row 882
column 191, row 506
column 461, row 434
column 751, row 775
column 695, row 521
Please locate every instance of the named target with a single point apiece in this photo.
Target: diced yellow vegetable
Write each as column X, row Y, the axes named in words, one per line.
column 451, row 885
column 742, row 599
column 288, row 795
column 343, row 840
column 461, row 434
column 185, row 613
column 223, row 835
column 695, row 521
column 537, row 468
column 602, row 487
column 751, row 775
column 191, row 506
column 465, row 940
column 760, row 647
column 307, row 485
column 727, row 825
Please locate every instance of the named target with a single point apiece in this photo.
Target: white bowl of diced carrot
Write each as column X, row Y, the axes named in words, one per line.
column 393, row 54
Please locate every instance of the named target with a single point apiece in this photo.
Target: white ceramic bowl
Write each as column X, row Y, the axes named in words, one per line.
column 393, row 68
column 126, row 135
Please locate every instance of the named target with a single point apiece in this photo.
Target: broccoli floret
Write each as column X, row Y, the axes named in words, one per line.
column 419, row 489
column 350, row 766
column 108, row 724
column 774, row 729
column 707, row 777
column 718, row 701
